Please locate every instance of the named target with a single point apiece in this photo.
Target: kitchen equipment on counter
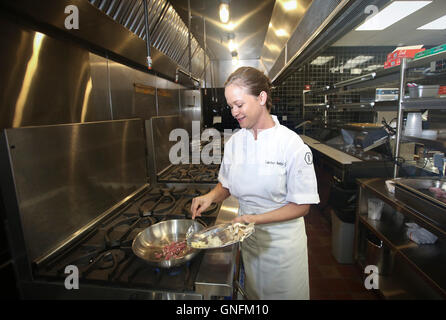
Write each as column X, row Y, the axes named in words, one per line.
column 386, row 94
column 413, row 124
column 426, row 196
column 424, row 91
column 149, row 243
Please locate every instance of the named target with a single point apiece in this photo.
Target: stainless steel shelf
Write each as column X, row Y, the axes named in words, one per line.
column 424, row 103
column 426, row 260
column 425, row 61
column 385, row 105
column 388, row 76
column 315, row 105
column 438, row 143
column 360, row 106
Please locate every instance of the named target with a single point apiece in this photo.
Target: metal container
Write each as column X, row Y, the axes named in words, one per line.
column 415, row 194
column 149, row 242
column 424, row 91
column 379, row 255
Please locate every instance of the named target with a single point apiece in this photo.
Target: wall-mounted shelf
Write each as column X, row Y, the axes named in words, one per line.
column 388, row 77
column 423, row 62
column 395, row 77
column 424, row 103
column 359, row 106
column 436, row 144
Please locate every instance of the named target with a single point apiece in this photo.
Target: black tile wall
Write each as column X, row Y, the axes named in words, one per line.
column 288, row 95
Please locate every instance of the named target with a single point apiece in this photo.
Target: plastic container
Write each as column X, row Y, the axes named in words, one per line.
column 375, row 207
column 424, row 91
column 413, row 124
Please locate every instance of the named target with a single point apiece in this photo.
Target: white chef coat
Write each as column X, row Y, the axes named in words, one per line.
column 264, row 175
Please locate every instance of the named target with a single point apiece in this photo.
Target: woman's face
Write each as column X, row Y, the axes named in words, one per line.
column 245, row 108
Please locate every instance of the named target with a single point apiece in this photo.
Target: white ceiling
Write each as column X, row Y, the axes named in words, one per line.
column 404, row 32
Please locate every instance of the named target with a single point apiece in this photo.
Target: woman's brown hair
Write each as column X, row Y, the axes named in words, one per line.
column 254, row 80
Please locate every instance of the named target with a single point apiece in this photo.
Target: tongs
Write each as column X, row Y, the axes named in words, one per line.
column 220, row 235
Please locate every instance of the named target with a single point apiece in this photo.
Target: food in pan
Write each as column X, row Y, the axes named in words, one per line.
column 175, row 249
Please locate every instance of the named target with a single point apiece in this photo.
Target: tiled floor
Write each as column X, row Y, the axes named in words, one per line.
column 330, row 280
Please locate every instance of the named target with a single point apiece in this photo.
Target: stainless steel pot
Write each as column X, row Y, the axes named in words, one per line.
column 151, row 241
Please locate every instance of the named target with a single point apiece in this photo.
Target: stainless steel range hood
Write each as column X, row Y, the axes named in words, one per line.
column 118, row 28
column 324, row 23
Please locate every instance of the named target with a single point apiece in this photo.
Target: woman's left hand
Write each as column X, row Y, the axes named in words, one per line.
column 247, row 218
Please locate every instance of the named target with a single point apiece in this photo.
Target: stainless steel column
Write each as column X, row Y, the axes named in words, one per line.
column 400, row 116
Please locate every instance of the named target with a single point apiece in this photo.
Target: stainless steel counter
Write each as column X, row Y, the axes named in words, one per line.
column 216, row 275
column 344, row 167
column 333, row 153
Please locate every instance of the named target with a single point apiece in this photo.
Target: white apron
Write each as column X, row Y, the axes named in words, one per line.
column 264, row 175
column 276, row 261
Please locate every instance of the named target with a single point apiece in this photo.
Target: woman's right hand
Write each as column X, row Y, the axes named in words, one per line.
column 200, row 204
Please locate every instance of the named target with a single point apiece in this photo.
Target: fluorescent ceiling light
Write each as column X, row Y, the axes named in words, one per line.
column 357, row 61
column 391, row 14
column 374, row 67
column 290, row 5
column 224, row 12
column 322, row 60
column 439, row 24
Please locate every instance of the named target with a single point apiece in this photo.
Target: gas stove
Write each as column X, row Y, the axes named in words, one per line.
column 190, row 173
column 104, row 256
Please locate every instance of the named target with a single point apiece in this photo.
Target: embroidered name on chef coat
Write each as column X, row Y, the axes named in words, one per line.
column 282, row 164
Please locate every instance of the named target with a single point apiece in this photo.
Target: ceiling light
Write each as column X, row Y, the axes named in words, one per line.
column 357, row 61
column 439, row 24
column 224, row 12
column 374, row 67
column 281, row 33
column 232, row 45
column 230, row 26
column 391, row 14
column 290, row 5
column 322, row 60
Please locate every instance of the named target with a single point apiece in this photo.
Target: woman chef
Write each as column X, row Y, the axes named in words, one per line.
column 269, row 169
